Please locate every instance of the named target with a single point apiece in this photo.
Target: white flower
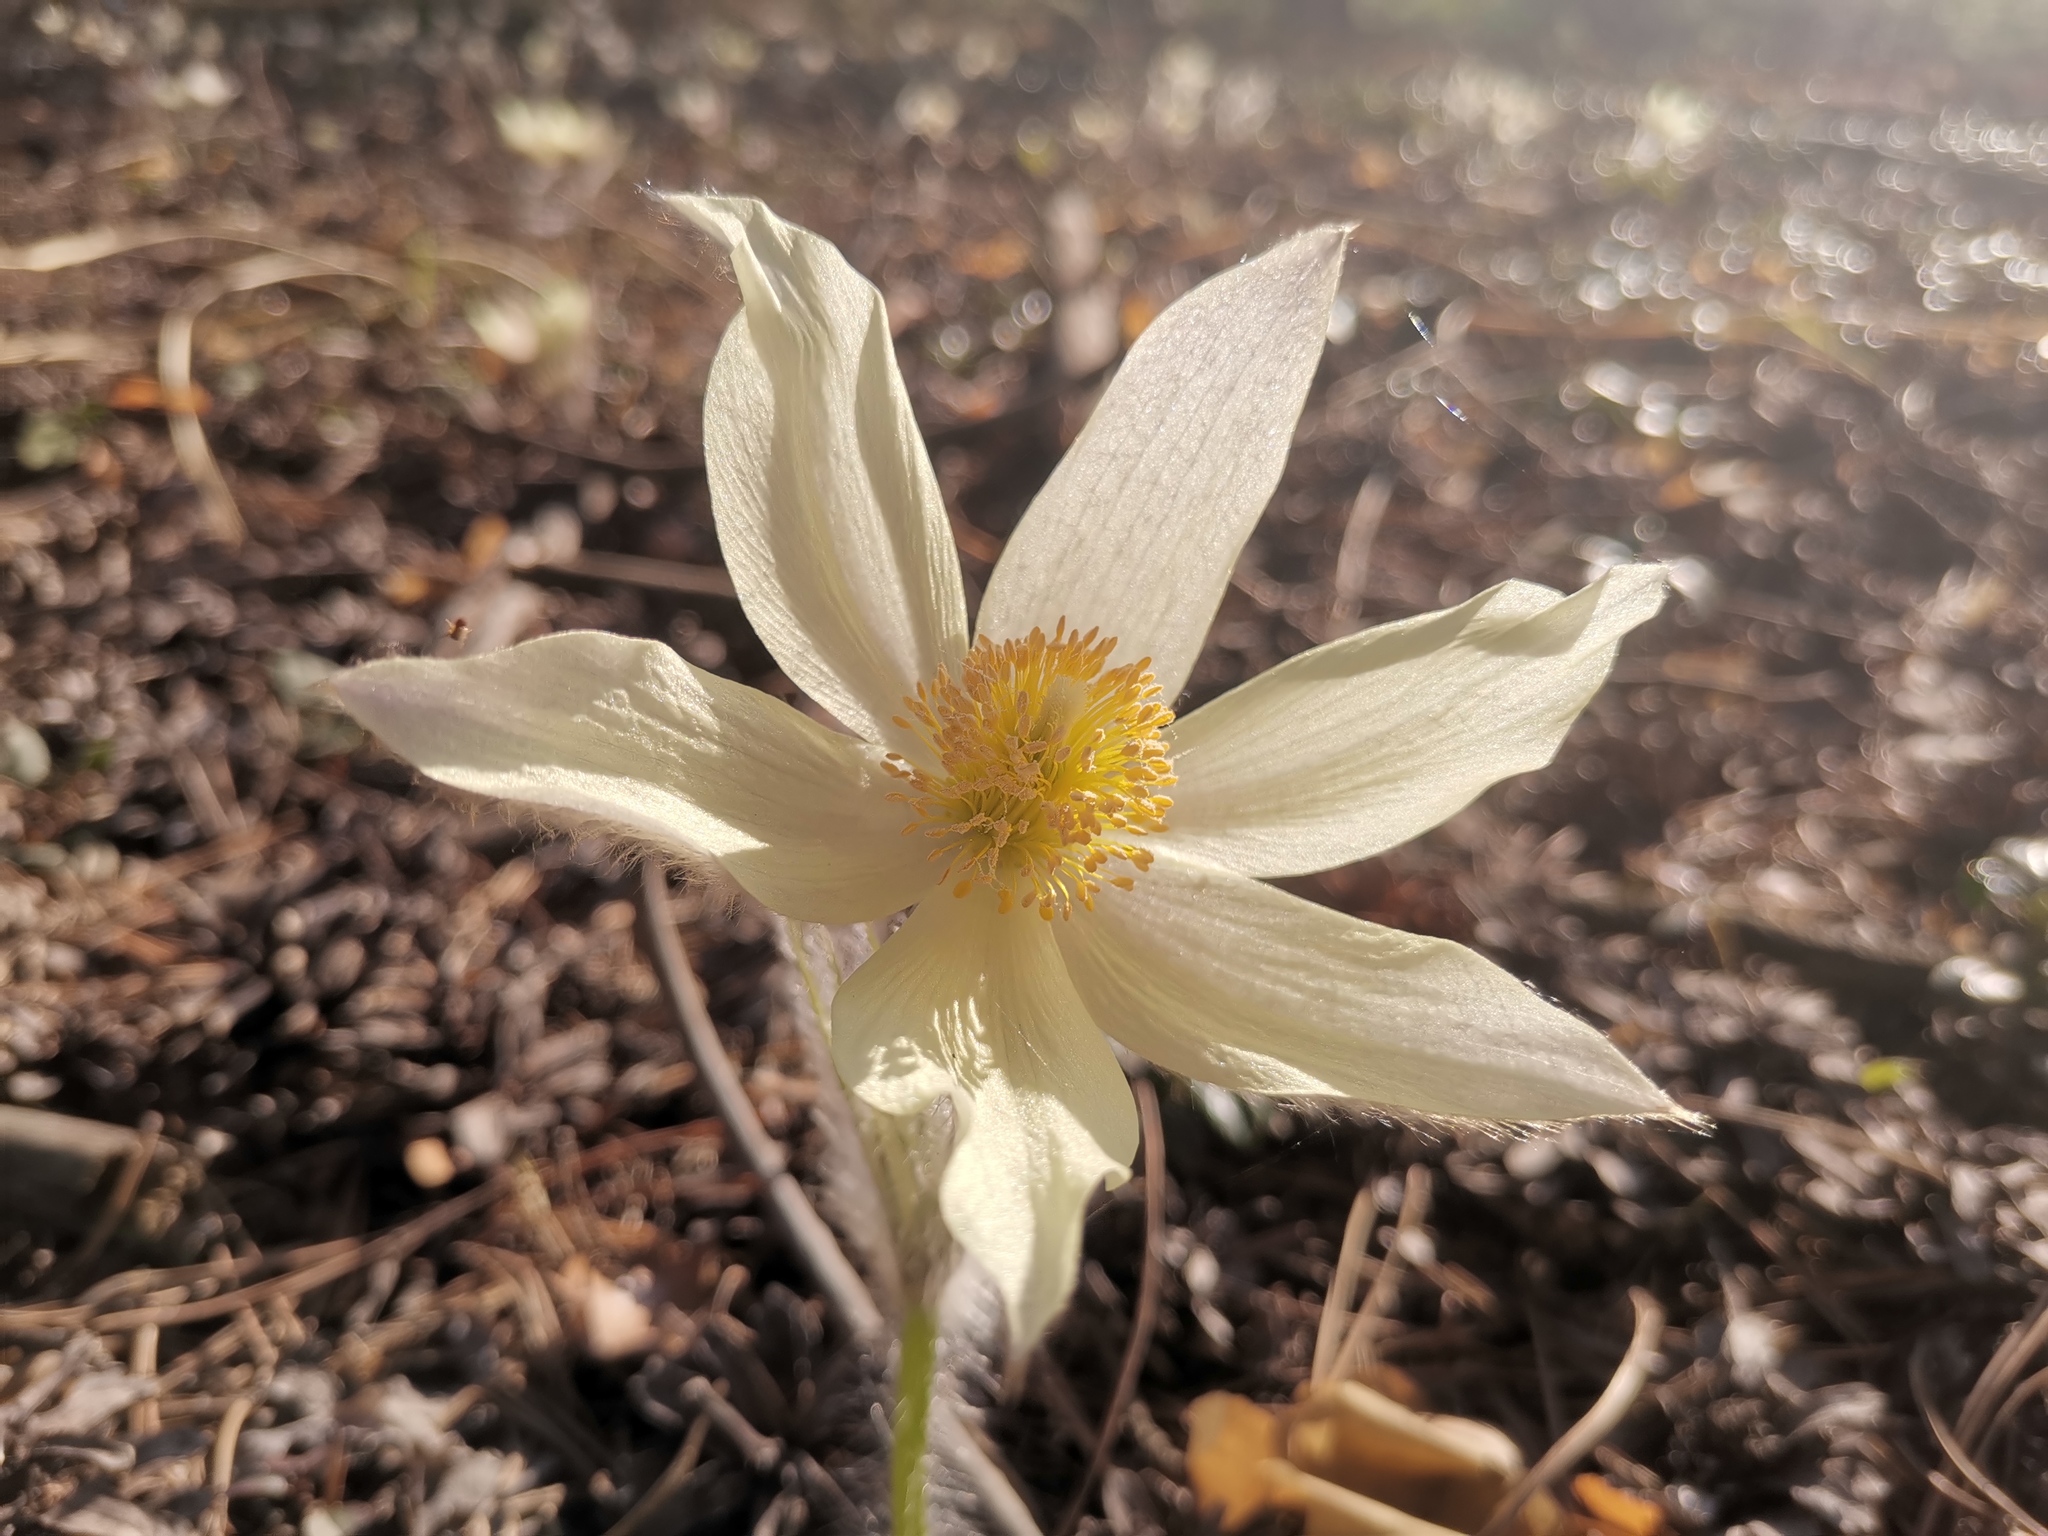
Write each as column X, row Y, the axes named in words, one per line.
column 1080, row 864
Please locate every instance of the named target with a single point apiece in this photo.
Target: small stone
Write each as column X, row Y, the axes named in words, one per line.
column 24, row 755
column 480, row 1128
column 1201, row 1272
column 33, row 1087
column 428, row 1162
column 608, row 1320
column 1532, row 1159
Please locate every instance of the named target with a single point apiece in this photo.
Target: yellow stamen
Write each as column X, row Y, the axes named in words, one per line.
column 1048, row 767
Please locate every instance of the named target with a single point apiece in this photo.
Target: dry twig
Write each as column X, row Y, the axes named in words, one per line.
column 1579, row 1441
column 800, row 1222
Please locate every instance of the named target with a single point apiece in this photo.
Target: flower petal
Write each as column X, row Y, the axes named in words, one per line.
column 1233, row 982
column 1138, row 528
column 1358, row 745
column 828, row 513
column 967, row 1000
column 592, row 728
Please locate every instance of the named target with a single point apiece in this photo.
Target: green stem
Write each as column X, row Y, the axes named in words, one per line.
column 916, row 1366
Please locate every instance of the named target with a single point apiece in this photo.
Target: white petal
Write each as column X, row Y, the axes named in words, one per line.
column 1358, row 745
column 1138, row 528
column 1229, row 981
column 828, row 515
column 624, row 735
column 967, row 1000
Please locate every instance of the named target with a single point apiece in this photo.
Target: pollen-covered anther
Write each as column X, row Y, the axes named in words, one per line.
column 1048, row 767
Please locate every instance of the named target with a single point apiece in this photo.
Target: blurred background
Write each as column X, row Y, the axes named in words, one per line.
column 328, row 332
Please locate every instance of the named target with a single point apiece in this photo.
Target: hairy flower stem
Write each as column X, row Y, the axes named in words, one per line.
column 906, row 1157
column 916, row 1369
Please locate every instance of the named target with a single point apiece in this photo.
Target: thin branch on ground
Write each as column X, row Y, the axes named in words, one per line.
column 801, row 1224
column 1599, row 1421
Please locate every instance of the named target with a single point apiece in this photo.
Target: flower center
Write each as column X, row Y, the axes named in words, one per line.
column 1049, row 767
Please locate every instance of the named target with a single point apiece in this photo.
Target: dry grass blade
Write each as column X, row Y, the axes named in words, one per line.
column 143, row 1418
column 1993, row 1386
column 352, row 1255
column 89, row 245
column 1960, row 1496
column 1357, row 1352
column 174, row 367
column 2019, row 1347
column 1343, row 1283
column 1354, row 553
column 2017, row 1399
column 284, row 261
column 653, row 1504
column 785, row 1514
column 1144, row 1316
column 1579, row 1441
column 466, row 250
column 222, row 1471
column 804, row 1227
column 646, row 571
column 1952, row 1447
